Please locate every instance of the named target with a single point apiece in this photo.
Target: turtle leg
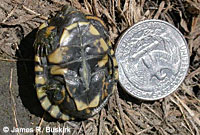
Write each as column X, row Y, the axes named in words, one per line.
column 47, row 105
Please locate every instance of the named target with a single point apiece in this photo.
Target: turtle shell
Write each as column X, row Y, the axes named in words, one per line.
column 75, row 68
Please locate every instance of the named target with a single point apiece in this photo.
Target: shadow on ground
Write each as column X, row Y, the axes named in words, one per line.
column 127, row 97
column 25, row 73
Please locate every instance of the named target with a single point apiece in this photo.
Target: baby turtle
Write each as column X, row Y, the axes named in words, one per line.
column 75, row 67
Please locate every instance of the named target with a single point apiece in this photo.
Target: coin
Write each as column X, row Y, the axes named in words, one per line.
column 153, row 59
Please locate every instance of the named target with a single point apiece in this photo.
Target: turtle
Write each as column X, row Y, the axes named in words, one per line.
column 75, row 67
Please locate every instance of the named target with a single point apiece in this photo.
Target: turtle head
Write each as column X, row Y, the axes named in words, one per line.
column 56, row 93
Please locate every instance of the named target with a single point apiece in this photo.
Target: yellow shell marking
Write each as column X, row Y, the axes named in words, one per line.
column 116, row 74
column 40, row 93
column 97, row 19
column 87, row 111
column 48, row 30
column 83, row 23
column 43, row 26
column 105, row 91
column 37, row 59
column 95, row 101
column 114, row 62
column 68, row 99
column 64, row 37
column 67, row 87
column 109, row 43
column 103, row 44
column 72, row 26
column 38, row 68
column 54, row 111
column 110, row 71
column 39, row 80
column 72, row 12
column 103, row 61
column 96, row 42
column 46, row 103
column 64, row 117
column 80, row 105
column 99, row 50
column 57, row 55
column 56, row 70
column 93, row 30
column 111, row 52
column 103, row 95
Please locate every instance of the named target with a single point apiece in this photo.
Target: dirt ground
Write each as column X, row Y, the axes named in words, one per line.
column 177, row 114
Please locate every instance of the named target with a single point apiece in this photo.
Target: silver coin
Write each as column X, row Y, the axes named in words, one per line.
column 153, row 59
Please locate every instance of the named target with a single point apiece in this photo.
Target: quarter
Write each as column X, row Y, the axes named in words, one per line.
column 153, row 59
